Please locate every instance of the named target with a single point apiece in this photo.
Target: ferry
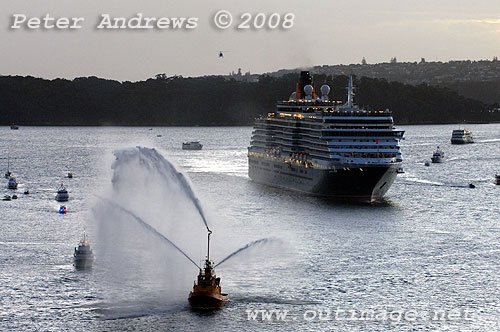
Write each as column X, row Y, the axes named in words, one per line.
column 461, row 136
column 324, row 147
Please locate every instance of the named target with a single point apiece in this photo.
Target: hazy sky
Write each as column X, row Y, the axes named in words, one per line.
column 324, row 32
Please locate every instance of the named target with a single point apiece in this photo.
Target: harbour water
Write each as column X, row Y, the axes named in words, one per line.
column 426, row 258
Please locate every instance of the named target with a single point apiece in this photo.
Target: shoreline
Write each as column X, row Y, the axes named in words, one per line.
column 229, row 126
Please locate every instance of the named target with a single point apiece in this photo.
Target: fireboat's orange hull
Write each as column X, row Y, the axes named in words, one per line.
column 206, row 300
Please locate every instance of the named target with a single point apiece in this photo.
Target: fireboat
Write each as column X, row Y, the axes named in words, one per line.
column 206, row 292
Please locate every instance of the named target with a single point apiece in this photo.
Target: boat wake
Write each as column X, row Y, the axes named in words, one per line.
column 494, row 140
column 410, row 180
column 149, row 306
column 272, row 300
column 414, row 180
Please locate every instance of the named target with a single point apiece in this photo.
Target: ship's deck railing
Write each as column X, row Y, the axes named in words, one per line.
column 329, row 109
column 308, row 102
column 376, row 159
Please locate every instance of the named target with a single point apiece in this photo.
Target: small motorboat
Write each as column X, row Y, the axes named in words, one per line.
column 83, row 256
column 6, row 198
column 12, row 184
column 159, row 135
column 400, row 170
column 427, row 163
column 438, row 156
column 497, row 179
column 14, row 127
column 7, row 174
column 70, row 175
column 27, row 192
column 62, row 194
column 471, row 185
column 62, row 209
column 14, row 196
column 206, row 292
column 194, row 145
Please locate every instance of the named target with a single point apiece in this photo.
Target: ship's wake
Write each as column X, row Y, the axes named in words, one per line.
column 412, row 180
column 493, row 140
column 408, row 179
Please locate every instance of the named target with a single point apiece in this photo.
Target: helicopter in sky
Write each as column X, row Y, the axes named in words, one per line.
column 221, row 53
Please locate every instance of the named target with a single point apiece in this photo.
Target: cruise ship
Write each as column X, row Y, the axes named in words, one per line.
column 324, row 147
column 461, row 136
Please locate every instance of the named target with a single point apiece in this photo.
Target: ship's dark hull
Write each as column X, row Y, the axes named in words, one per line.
column 361, row 182
column 460, row 141
column 206, row 300
column 83, row 262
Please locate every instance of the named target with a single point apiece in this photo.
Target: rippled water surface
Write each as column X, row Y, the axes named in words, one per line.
column 432, row 245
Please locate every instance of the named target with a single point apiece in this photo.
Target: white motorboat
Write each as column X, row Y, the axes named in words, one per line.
column 194, row 145
column 438, row 156
column 62, row 194
column 12, row 184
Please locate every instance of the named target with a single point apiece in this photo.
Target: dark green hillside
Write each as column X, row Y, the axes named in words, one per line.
column 210, row 100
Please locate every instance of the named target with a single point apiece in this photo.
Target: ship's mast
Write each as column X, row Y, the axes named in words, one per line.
column 8, row 163
column 350, row 93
